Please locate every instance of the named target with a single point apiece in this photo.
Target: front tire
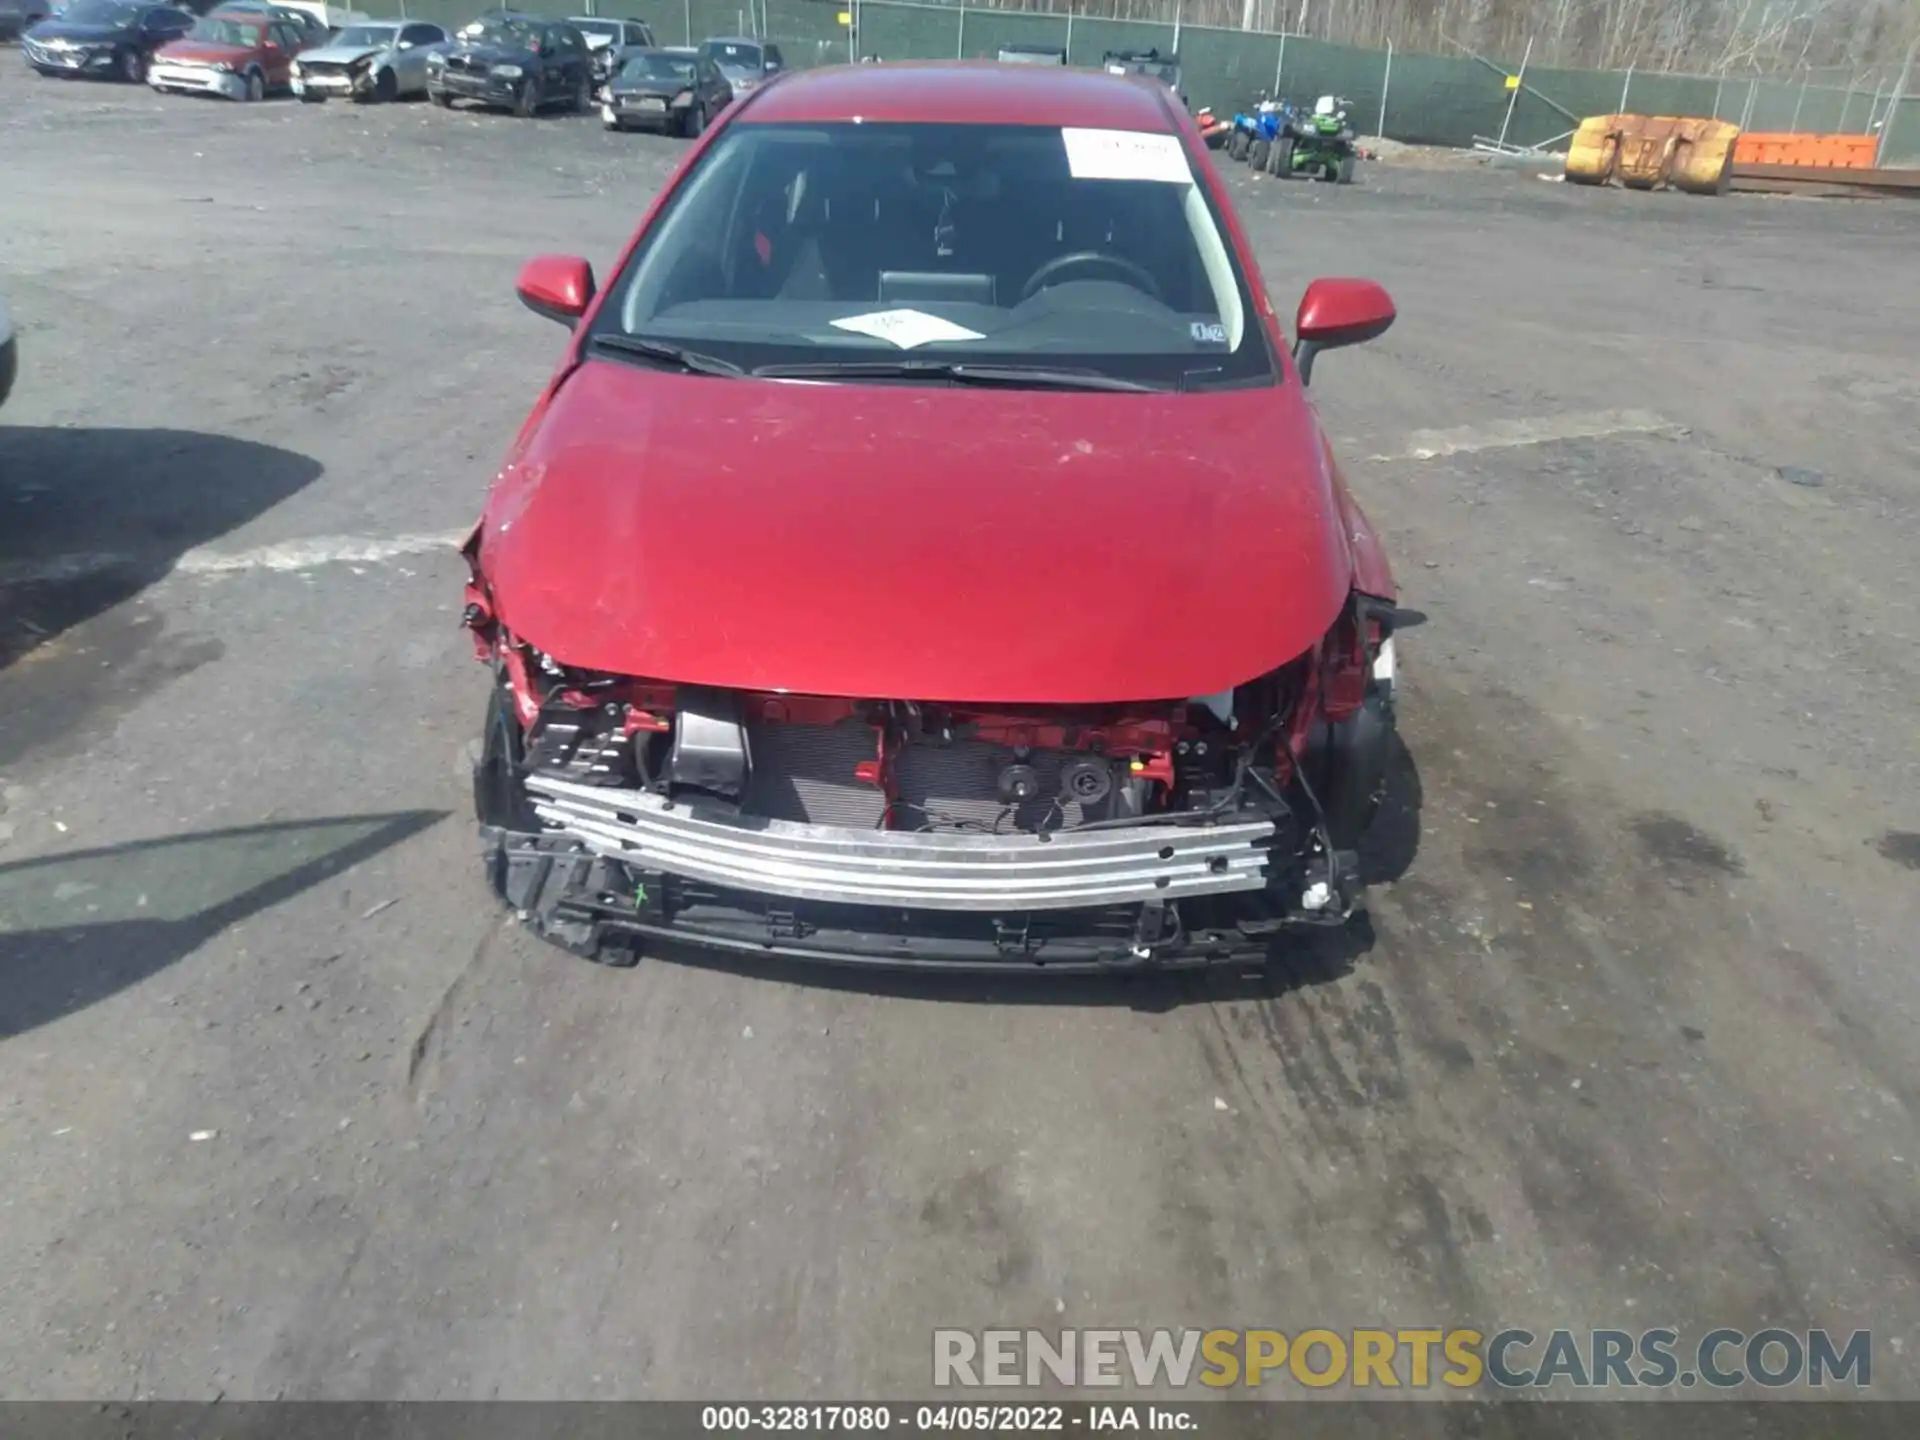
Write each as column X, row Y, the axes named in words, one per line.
column 1353, row 769
column 1344, row 175
column 499, row 776
column 133, row 66
column 528, row 100
column 386, row 88
column 695, row 121
column 1257, row 152
column 256, row 87
column 440, row 98
column 1280, row 158
column 583, row 97
column 1237, row 145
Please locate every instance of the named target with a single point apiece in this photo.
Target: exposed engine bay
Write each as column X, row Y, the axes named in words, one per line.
column 899, row 831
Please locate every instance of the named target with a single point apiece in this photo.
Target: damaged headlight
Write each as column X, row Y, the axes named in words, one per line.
column 508, row 72
column 436, row 61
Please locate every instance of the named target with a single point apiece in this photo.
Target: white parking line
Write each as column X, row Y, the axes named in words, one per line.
column 1542, row 430
column 288, row 555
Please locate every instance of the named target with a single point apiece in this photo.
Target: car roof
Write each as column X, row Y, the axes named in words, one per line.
column 964, row 92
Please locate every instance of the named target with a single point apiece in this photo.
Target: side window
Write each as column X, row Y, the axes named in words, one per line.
column 286, row 36
column 774, row 62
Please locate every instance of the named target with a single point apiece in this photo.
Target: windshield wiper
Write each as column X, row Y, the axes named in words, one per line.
column 665, row 352
column 963, row 372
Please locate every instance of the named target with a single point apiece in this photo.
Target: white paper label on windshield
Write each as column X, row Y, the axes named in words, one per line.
column 1126, row 155
column 906, row 328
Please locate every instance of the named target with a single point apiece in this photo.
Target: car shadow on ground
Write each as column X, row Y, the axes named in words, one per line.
column 79, row 927
column 1295, row 961
column 89, row 517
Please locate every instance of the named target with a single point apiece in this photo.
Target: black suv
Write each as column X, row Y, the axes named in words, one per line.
column 523, row 62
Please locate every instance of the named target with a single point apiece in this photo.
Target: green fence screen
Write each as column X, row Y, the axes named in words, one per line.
column 1421, row 99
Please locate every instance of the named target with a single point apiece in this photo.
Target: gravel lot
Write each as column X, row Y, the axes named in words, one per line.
column 286, row 1109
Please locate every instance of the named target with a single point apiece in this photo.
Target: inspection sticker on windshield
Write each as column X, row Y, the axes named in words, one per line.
column 1125, row 155
column 906, row 328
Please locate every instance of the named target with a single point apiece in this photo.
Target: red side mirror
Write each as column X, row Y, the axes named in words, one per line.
column 559, row 287
column 1336, row 312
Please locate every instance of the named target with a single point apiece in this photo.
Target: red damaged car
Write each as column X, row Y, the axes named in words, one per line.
column 926, row 553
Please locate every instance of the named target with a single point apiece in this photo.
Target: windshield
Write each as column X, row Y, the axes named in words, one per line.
column 365, row 37
column 516, row 34
column 101, row 12
column 605, row 29
column 731, row 56
column 658, row 67
column 225, row 30
column 1003, row 244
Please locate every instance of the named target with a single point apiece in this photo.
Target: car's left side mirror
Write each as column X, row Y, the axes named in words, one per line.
column 559, row 287
column 1337, row 312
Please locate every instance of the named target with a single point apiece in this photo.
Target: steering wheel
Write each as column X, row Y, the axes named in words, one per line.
column 1131, row 273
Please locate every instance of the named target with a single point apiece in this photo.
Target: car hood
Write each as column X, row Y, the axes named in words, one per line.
column 492, row 54
column 200, row 51
column 85, row 34
column 917, row 542
column 340, row 54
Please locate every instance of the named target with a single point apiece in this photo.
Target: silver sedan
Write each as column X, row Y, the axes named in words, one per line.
column 373, row 60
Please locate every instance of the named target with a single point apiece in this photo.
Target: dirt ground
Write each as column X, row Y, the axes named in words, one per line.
column 287, row 1110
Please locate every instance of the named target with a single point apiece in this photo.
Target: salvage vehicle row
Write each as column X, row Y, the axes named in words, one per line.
column 248, row 49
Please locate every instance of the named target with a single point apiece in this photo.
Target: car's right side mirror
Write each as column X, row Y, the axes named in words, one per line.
column 1336, row 312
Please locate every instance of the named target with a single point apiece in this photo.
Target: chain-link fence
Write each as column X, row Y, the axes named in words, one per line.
column 1418, row 98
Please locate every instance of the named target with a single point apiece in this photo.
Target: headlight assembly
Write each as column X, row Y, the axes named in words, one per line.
column 508, row 72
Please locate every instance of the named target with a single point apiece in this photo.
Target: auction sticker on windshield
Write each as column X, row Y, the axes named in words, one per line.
column 906, row 328
column 1125, row 155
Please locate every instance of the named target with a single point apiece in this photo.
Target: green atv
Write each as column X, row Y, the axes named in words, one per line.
column 1319, row 144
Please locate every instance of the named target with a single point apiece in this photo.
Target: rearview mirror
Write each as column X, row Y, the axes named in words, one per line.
column 1337, row 312
column 559, row 287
